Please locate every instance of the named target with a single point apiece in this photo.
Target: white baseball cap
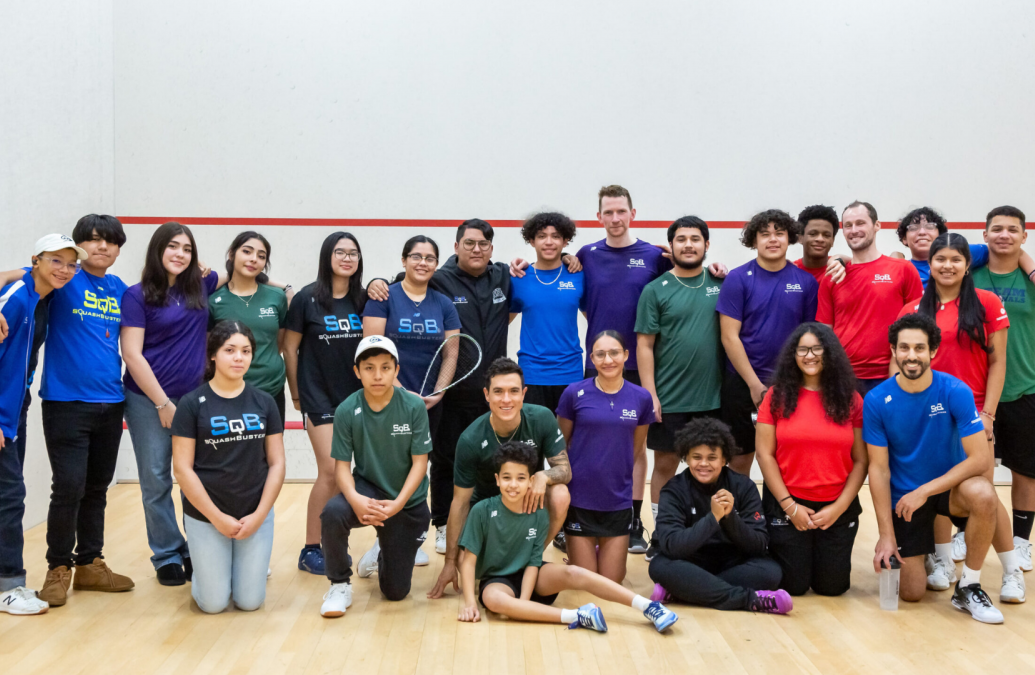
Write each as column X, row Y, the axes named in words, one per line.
column 58, row 242
column 376, row 342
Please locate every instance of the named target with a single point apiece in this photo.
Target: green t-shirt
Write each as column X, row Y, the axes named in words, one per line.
column 473, row 467
column 1018, row 295
column 265, row 314
column 380, row 444
column 688, row 355
column 505, row 542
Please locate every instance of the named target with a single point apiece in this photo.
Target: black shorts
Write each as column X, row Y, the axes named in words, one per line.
column 865, row 386
column 317, row 419
column 630, row 375
column 661, row 436
column 1014, row 440
column 917, row 536
column 546, row 395
column 513, row 582
column 738, row 411
column 278, row 398
column 590, row 523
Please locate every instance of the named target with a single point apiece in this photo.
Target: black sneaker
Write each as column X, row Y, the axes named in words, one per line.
column 188, row 570
column 974, row 601
column 171, row 575
column 560, row 543
column 637, row 542
column 652, row 551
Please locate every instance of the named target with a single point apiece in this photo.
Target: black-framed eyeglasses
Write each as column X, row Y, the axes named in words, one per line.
column 342, row 254
column 804, row 351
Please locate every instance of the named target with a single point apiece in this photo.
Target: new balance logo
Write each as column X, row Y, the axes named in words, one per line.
column 358, row 411
column 887, row 399
column 485, row 444
column 882, row 278
column 664, row 283
column 493, row 514
column 581, row 392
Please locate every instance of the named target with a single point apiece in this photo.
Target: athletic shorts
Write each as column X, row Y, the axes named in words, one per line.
column 630, row 375
column 917, row 536
column 513, row 582
column 661, row 436
column 546, row 395
column 738, row 411
column 590, row 523
column 317, row 419
column 865, row 386
column 1014, row 438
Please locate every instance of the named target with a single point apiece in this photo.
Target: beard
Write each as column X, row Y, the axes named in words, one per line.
column 924, row 367
column 683, row 265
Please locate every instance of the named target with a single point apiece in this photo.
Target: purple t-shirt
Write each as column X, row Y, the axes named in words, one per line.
column 769, row 305
column 614, row 279
column 602, row 437
column 174, row 338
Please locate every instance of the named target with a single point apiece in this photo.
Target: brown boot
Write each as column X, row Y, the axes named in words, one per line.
column 98, row 577
column 55, row 588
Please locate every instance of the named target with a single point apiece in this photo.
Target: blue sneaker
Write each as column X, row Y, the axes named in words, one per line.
column 662, row 616
column 590, row 617
column 311, row 560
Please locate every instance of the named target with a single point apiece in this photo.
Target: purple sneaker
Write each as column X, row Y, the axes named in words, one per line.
column 772, row 602
column 660, row 594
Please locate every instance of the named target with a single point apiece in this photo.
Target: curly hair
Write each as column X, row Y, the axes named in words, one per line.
column 836, row 380
column 564, row 225
column 819, row 212
column 705, row 431
column 915, row 215
column 515, row 452
column 916, row 321
column 781, row 220
column 503, row 366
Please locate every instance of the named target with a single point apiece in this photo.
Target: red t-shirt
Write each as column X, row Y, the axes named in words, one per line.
column 957, row 355
column 816, row 272
column 813, row 453
column 861, row 308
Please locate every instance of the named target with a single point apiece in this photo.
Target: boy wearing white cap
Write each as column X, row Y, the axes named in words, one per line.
column 383, row 430
column 55, row 261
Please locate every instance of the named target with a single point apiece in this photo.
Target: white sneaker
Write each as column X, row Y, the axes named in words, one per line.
column 941, row 574
column 368, row 563
column 22, row 601
column 440, row 540
column 1013, row 588
column 959, row 547
column 337, row 600
column 1023, row 548
column 421, row 559
column 974, row 601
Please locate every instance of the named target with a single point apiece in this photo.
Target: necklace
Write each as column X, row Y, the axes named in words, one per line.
column 995, row 289
column 703, row 278
column 596, row 381
column 514, row 433
column 247, row 303
column 560, row 271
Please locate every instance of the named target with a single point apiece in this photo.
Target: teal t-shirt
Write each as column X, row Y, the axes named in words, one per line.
column 1018, row 295
column 265, row 313
column 505, row 542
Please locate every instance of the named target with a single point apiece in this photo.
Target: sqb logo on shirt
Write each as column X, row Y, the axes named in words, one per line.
column 566, row 286
column 531, row 533
column 417, row 326
column 103, row 305
column 268, row 312
column 636, row 262
column 628, row 414
column 248, row 422
column 793, row 288
column 712, row 290
column 882, row 278
column 401, row 430
column 937, row 409
column 333, row 324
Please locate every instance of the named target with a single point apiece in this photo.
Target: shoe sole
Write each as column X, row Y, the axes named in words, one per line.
column 366, row 574
column 15, row 613
column 968, row 612
column 1012, row 601
column 332, row 615
column 662, row 629
column 103, row 589
column 172, row 582
column 421, row 564
column 638, row 550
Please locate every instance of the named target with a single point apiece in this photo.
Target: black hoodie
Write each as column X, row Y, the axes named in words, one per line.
column 687, row 530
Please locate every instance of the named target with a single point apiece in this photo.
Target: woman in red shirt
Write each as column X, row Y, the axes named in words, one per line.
column 809, row 446
column 974, row 326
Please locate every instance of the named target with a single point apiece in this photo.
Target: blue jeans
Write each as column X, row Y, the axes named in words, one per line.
column 12, row 506
column 152, row 445
column 227, row 568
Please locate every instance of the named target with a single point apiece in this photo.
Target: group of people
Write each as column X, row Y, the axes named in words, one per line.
column 825, row 370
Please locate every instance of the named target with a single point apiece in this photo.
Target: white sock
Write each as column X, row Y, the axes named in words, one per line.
column 1017, row 541
column 970, row 577
column 640, row 603
column 654, row 513
column 944, row 551
column 1009, row 560
column 569, row 615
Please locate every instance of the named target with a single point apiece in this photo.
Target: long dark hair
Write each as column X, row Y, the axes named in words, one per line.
column 971, row 320
column 836, row 380
column 238, row 242
column 217, row 337
column 154, row 281
column 324, row 293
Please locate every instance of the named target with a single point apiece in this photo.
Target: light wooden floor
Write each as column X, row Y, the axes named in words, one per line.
column 154, row 629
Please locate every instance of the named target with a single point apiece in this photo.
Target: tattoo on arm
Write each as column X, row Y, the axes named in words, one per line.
column 559, row 472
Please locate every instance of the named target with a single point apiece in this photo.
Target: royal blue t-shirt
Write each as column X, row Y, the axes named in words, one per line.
column 921, row 431
column 83, row 361
column 417, row 329
column 602, row 442
column 614, row 279
column 549, row 304
column 978, row 258
column 769, row 305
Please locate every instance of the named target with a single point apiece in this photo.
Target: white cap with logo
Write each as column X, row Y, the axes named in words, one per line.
column 376, row 342
column 58, row 242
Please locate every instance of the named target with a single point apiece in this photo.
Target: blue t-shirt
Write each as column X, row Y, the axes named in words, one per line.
column 769, row 305
column 18, row 302
column 549, row 304
column 417, row 329
column 83, row 361
column 978, row 258
column 921, row 431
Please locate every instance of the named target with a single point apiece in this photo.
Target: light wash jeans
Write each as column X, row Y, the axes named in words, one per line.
column 152, row 445
column 227, row 568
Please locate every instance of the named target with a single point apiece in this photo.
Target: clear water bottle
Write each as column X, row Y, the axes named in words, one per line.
column 889, row 584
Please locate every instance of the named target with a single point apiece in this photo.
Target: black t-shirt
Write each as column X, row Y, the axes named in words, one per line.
column 41, row 320
column 230, row 445
column 327, row 351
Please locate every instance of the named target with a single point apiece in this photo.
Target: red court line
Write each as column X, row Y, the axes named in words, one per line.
column 347, row 223
column 287, row 425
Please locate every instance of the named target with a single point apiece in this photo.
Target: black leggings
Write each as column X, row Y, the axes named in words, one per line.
column 456, row 414
column 731, row 586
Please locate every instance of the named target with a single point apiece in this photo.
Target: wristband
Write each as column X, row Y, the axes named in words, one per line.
column 785, row 499
column 988, row 415
column 167, row 402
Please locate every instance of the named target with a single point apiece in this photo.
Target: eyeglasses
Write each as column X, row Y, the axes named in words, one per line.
column 482, row 244
column 915, row 226
column 57, row 264
column 804, row 351
column 342, row 254
column 416, row 258
column 601, row 355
